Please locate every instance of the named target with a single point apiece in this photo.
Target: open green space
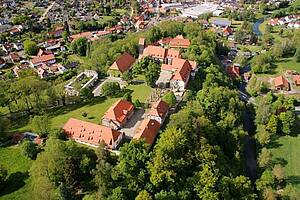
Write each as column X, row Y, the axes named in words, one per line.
column 286, row 152
column 95, row 109
column 18, row 166
column 287, row 64
column 140, row 92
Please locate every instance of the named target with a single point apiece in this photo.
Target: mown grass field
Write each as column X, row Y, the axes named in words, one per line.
column 18, row 166
column 286, row 152
column 95, row 109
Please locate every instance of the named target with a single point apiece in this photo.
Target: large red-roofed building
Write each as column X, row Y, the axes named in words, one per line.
column 148, row 130
column 118, row 114
column 92, row 134
column 122, row 64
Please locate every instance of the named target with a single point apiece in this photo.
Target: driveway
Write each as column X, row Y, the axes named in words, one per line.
column 133, row 123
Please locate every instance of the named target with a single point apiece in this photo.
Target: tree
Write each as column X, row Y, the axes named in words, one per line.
column 110, row 88
column 297, row 54
column 86, row 94
column 152, row 73
column 266, row 180
column 127, row 96
column 137, row 103
column 103, row 179
column 131, row 169
column 237, row 188
column 263, row 136
column 65, row 36
column 278, row 172
column 143, row 195
column 30, row 47
column 264, row 157
column 41, row 125
column 127, row 75
column 117, row 194
column 3, row 176
column 29, row 149
column 206, row 184
column 80, row 46
column 170, row 98
column 288, row 120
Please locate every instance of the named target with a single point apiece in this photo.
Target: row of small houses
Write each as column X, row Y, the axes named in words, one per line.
column 116, row 117
column 291, row 21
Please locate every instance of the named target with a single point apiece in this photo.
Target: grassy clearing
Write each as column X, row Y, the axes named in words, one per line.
column 94, row 109
column 286, row 152
column 140, row 92
column 287, row 64
column 18, row 186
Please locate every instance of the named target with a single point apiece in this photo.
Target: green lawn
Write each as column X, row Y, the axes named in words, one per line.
column 95, row 109
column 287, row 64
column 287, row 153
column 140, row 91
column 18, row 186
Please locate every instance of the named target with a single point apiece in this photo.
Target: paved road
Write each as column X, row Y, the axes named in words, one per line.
column 46, row 12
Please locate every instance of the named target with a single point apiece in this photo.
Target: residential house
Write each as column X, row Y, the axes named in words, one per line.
column 180, row 42
column 92, row 134
column 148, row 131
column 57, row 32
column 2, row 63
column 18, row 46
column 296, row 79
column 227, row 31
column 159, row 111
column 121, row 65
column 14, row 57
column 118, row 114
column 18, row 69
column 7, row 47
column 233, row 71
column 281, row 83
column 44, row 59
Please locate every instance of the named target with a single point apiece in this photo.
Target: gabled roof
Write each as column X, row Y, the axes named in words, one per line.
column 159, row 109
column 148, row 130
column 123, row 63
column 181, row 67
column 280, row 81
column 180, row 42
column 296, row 79
column 119, row 111
column 2, row 61
column 172, row 53
column 90, row 133
column 233, row 71
column 155, row 51
column 42, row 59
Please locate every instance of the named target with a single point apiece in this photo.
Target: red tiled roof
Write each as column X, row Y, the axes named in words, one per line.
column 2, row 61
column 86, row 35
column 181, row 67
column 180, row 42
column 123, row 63
column 15, row 57
column 160, row 109
column 280, row 81
column 165, row 40
column 148, row 130
column 233, row 71
column 90, row 133
column 172, row 53
column 296, row 79
column 155, row 51
column 42, row 59
column 119, row 111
